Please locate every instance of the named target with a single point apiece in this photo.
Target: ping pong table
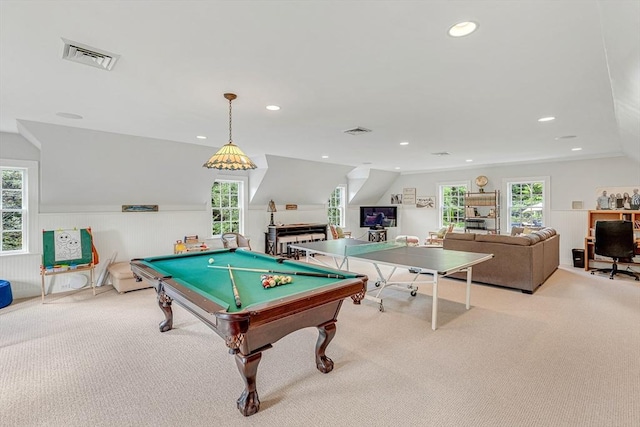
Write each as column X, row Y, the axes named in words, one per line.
column 422, row 261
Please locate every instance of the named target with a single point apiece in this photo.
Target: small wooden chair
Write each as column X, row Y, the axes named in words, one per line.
column 436, row 237
column 339, row 233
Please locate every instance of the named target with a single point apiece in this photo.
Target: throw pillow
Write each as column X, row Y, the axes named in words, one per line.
column 441, row 232
column 527, row 230
column 230, row 242
column 340, row 232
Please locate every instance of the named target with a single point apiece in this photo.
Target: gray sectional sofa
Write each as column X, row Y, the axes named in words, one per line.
column 521, row 261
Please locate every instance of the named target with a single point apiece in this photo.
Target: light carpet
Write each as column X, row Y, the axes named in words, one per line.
column 569, row 355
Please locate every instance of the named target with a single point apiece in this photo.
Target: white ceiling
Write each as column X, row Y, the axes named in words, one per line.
column 388, row 66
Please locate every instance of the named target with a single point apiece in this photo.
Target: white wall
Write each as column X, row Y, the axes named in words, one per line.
column 147, row 234
column 569, row 181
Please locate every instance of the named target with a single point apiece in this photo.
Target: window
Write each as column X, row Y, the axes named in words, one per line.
column 13, row 205
column 452, row 203
column 526, row 201
column 18, row 206
column 227, row 206
column 337, row 207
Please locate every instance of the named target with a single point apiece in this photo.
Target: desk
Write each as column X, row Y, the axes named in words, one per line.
column 266, row 315
column 377, row 235
column 419, row 260
column 589, row 253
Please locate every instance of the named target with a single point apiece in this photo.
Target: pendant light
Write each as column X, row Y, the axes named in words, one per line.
column 230, row 156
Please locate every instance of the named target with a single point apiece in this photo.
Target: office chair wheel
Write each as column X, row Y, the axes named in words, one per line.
column 381, row 308
column 414, row 293
column 377, row 284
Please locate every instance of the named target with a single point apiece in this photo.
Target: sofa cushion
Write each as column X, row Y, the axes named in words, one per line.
column 534, row 237
column 498, row 238
column 545, row 233
column 460, row 236
column 516, row 231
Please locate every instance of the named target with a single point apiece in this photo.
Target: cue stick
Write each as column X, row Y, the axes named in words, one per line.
column 290, row 273
column 236, row 295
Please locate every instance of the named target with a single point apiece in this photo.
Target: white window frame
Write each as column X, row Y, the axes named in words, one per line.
column 441, row 185
column 342, row 208
column 242, row 200
column 30, row 204
column 546, row 195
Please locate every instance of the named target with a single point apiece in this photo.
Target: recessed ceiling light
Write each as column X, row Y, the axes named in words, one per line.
column 576, row 149
column 397, row 167
column 462, row 29
column 546, row 119
column 273, row 107
column 325, row 157
column 404, row 143
column 69, row 116
column 469, row 160
column 566, row 137
column 201, row 137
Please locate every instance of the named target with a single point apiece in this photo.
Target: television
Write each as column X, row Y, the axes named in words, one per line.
column 378, row 216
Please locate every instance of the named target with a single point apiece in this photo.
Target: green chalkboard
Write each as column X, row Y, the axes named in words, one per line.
column 67, row 247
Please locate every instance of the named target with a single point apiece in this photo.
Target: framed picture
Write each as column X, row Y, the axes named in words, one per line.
column 396, row 199
column 139, row 208
column 618, row 198
column 426, row 202
column 409, row 196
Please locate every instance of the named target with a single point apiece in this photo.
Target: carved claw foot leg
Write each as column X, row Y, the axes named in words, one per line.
column 164, row 302
column 326, row 334
column 248, row 402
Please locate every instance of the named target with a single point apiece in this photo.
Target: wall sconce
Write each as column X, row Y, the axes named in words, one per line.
column 271, row 209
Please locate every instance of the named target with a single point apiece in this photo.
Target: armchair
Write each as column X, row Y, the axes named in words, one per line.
column 339, row 233
column 235, row 240
column 436, row 237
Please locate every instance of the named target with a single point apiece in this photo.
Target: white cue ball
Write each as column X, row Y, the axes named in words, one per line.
column 210, row 260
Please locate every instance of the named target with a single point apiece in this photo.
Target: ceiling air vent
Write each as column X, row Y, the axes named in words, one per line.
column 357, row 131
column 441, row 153
column 78, row 52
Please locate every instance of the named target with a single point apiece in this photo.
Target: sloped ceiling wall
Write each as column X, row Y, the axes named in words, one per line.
column 293, row 181
column 620, row 29
column 366, row 186
column 85, row 170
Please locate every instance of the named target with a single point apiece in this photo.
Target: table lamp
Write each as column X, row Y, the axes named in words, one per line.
column 271, row 209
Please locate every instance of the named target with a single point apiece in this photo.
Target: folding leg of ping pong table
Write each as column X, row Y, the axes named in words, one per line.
column 412, row 287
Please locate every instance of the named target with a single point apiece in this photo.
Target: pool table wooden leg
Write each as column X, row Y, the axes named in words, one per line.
column 248, row 402
column 326, row 334
column 164, row 302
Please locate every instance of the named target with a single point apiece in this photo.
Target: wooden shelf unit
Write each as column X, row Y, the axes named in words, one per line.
column 609, row 215
column 484, row 203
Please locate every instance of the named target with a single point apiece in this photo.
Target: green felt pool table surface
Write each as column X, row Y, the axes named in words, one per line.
column 195, row 272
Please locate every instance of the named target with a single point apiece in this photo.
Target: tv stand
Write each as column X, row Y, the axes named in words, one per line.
column 377, row 234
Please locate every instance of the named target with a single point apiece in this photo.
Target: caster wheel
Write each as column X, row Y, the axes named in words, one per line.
column 381, row 308
column 414, row 293
column 377, row 284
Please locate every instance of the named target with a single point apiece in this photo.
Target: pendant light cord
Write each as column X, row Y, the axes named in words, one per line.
column 230, row 121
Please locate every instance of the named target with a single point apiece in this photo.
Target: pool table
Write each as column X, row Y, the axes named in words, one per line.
column 204, row 288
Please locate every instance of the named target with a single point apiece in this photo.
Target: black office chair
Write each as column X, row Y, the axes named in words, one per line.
column 614, row 239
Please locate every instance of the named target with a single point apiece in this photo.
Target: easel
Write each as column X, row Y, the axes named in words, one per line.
column 83, row 258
